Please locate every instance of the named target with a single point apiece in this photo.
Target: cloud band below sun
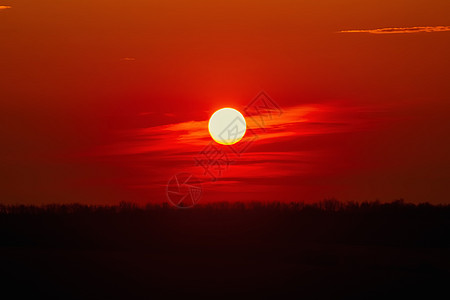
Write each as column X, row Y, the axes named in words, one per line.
column 4, row 7
column 400, row 30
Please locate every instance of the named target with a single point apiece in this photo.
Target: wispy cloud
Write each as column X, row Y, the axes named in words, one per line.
column 291, row 149
column 4, row 7
column 399, row 30
column 297, row 121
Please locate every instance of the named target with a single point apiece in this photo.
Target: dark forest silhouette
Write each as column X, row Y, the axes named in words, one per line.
column 328, row 249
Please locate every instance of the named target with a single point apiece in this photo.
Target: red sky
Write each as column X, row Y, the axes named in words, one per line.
column 103, row 101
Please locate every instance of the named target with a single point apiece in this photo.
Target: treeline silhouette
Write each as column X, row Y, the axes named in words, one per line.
column 327, row 205
column 395, row 223
column 328, row 249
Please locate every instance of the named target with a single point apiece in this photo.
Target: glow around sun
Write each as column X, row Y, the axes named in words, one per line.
column 227, row 126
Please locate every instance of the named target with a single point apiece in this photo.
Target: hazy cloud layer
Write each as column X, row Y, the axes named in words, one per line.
column 303, row 120
column 399, row 30
column 289, row 148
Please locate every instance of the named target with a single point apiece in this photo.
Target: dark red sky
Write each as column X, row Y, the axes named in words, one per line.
column 103, row 101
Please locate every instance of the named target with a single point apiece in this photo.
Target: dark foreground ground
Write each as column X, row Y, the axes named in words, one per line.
column 327, row 251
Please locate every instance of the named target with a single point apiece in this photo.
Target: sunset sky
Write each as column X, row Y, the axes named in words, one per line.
column 104, row 101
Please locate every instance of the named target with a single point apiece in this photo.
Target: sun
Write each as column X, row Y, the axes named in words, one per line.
column 227, row 126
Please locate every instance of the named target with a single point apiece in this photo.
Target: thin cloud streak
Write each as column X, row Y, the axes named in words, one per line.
column 304, row 120
column 170, row 138
column 390, row 30
column 281, row 155
column 4, row 7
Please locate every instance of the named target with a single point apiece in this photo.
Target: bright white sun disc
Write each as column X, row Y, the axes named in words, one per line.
column 227, row 126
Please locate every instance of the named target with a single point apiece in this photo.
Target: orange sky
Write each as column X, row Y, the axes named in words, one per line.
column 103, row 101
